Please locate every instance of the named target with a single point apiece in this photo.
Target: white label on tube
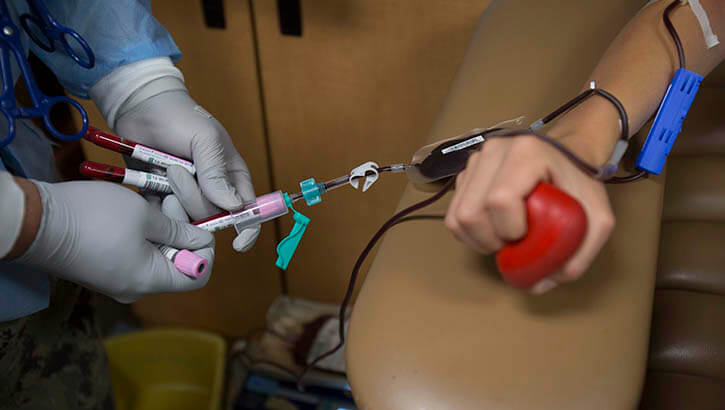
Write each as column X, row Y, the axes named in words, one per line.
column 245, row 218
column 168, row 251
column 461, row 145
column 161, row 159
column 145, row 180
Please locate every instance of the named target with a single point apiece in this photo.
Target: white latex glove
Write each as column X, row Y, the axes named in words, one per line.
column 102, row 236
column 147, row 102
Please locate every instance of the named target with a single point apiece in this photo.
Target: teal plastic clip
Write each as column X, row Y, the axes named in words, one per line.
column 287, row 247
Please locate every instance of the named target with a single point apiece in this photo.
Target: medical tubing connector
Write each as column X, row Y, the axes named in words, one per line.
column 312, row 191
column 604, row 173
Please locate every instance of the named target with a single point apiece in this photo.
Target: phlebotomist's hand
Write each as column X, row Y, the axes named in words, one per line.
column 103, row 236
column 147, row 101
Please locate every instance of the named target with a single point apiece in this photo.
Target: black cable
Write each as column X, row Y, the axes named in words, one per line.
column 628, row 178
column 620, row 109
column 571, row 156
column 673, row 32
column 624, row 134
column 397, row 218
column 420, row 218
column 583, row 165
column 580, row 163
column 567, row 106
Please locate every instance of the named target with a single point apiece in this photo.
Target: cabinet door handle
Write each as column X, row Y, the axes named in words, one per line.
column 290, row 17
column 214, row 13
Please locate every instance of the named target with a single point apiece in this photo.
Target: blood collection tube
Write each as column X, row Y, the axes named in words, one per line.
column 140, row 179
column 136, row 150
column 187, row 262
column 263, row 209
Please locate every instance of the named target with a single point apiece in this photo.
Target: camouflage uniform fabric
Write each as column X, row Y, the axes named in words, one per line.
column 55, row 359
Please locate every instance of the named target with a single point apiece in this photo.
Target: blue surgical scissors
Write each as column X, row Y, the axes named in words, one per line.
column 40, row 18
column 42, row 104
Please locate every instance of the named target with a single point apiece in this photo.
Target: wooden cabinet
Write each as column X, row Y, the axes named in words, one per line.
column 363, row 82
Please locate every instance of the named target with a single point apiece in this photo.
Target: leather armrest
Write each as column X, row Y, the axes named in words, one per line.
column 434, row 327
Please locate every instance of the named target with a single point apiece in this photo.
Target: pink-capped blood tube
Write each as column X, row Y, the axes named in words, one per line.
column 187, row 262
column 263, row 209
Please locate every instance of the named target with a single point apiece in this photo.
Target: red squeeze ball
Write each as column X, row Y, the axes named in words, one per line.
column 556, row 227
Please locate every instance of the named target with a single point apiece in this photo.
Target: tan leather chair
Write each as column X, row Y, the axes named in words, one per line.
column 686, row 368
column 435, row 328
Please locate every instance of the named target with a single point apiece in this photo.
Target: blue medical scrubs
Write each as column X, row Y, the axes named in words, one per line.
column 51, row 352
column 119, row 32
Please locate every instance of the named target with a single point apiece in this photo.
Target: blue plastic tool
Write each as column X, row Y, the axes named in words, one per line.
column 668, row 122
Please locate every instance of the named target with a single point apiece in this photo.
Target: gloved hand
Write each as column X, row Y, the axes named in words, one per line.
column 103, row 236
column 147, row 101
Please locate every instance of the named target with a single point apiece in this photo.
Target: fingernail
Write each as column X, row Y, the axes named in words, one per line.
column 543, row 286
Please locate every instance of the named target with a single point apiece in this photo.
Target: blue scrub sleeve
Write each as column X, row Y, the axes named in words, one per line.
column 119, row 32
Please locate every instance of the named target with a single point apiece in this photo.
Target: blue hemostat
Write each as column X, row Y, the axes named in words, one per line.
column 668, row 122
